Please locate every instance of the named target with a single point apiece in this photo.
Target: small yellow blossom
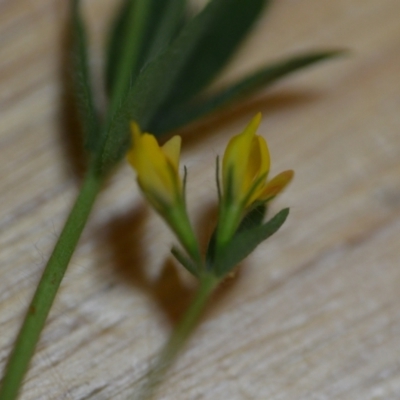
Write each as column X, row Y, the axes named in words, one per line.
column 245, row 169
column 157, row 168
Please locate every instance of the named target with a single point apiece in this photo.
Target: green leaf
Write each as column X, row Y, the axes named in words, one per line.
column 118, row 40
column 154, row 84
column 133, row 33
column 179, row 115
column 228, row 28
column 115, row 45
column 159, row 29
column 82, row 80
column 185, row 261
column 167, row 28
column 253, row 218
column 244, row 242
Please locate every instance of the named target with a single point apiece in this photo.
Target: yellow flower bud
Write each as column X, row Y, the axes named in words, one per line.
column 157, row 168
column 245, row 169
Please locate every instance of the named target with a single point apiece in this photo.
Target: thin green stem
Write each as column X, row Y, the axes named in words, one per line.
column 179, row 221
column 179, row 337
column 228, row 222
column 133, row 38
column 47, row 288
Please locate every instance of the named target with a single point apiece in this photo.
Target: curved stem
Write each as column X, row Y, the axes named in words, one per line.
column 179, row 337
column 47, row 288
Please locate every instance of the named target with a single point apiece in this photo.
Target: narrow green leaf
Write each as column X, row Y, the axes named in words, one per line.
column 133, row 34
column 179, row 115
column 114, row 45
column 154, row 83
column 167, row 28
column 246, row 241
column 185, row 261
column 157, row 32
column 225, row 32
column 82, row 80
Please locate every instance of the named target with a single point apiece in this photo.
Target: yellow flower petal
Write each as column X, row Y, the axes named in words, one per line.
column 253, row 165
column 245, row 171
column 236, row 159
column 172, row 150
column 253, row 125
column 238, row 149
column 156, row 167
column 276, row 185
column 264, row 155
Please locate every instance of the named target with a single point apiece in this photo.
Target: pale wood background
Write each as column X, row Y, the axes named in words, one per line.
column 313, row 314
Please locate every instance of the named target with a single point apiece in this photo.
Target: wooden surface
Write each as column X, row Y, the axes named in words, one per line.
column 313, row 314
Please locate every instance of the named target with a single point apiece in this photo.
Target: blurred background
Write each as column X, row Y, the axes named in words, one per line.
column 312, row 314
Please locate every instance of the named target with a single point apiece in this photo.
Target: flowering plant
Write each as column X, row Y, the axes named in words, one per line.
column 245, row 169
column 157, row 168
column 246, row 164
column 160, row 59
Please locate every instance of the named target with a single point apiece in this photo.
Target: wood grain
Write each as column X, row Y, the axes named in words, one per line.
column 313, row 314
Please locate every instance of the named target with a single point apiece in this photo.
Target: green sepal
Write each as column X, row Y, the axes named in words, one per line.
column 82, row 80
column 184, row 182
column 153, row 85
column 252, row 219
column 185, row 261
column 230, row 24
column 176, row 116
column 244, row 243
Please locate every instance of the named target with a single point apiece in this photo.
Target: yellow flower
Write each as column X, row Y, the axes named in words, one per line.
column 245, row 169
column 157, row 168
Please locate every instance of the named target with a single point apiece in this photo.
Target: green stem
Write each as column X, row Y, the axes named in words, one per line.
column 178, row 220
column 179, row 336
column 133, row 38
column 228, row 222
column 47, row 288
